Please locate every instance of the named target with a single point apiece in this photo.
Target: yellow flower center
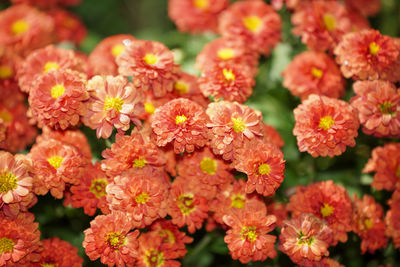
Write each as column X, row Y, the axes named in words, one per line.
column 47, row 265
column 55, row 161
column 186, row 203
column 6, row 72
column 167, row 235
column 238, row 201
column 180, row 119
column 113, row 103
column 264, row 169
column 201, row 4
column 238, row 125
column 8, row 181
column 57, row 91
column 5, row 116
column 368, row 223
column 50, row 66
column 117, row 49
column 326, row 122
column 228, row 74
column 6, row 245
column 142, row 198
column 317, row 73
column 149, row 108
column 252, row 23
column 150, row 59
column 249, row 233
column 302, row 240
column 226, row 53
column 154, row 258
column 139, row 163
column 208, row 165
column 181, row 88
column 115, row 240
column 19, row 27
column 373, row 48
column 326, row 210
column 329, row 22
column 387, row 108
column 98, row 187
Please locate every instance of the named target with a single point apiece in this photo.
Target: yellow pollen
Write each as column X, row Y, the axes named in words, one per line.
column 226, row 53
column 115, row 240
column 19, row 27
column 167, row 235
column 142, row 198
column 238, row 125
column 8, row 181
column 98, row 187
column 252, row 23
column 57, row 91
column 50, row 66
column 228, row 74
column 326, row 122
column 264, row 169
column 47, row 265
column 326, row 210
column 117, row 49
column 149, row 107
column 113, row 103
column 154, row 258
column 5, row 116
column 180, row 119
column 6, row 245
column 150, row 59
column 317, row 73
column 186, row 203
column 302, row 240
column 368, row 223
column 55, row 161
column 329, row 22
column 201, row 4
column 181, row 88
column 238, row 201
column 139, row 163
column 249, row 233
column 208, row 165
column 373, row 48
column 6, row 72
column 387, row 108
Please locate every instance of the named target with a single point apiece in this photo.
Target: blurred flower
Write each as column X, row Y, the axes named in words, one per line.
column 271, row 135
column 365, row 7
column 60, row 253
column 279, row 210
column 47, row 3
column 392, row 219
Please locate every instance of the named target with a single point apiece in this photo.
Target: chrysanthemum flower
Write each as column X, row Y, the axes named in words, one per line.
column 182, row 122
column 325, row 126
column 305, row 239
column 8, row 68
column 385, row 162
column 151, row 65
column 55, row 164
column 151, row 103
column 368, row 55
column 264, row 165
column 365, row 7
column 313, row 73
column 19, row 240
column 113, row 102
column 110, row 238
column 196, row 16
column 24, row 29
column 60, row 253
column 231, row 124
column 271, row 135
column 90, row 194
column 136, row 151
column 392, row 219
column 248, row 237
column 378, row 106
column 253, row 21
column 368, row 223
column 326, row 201
column 231, row 82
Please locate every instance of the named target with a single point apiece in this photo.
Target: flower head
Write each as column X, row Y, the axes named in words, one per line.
column 392, row 219
column 365, row 7
column 271, row 135
column 60, row 253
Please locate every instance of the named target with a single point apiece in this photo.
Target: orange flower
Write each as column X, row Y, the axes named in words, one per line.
column 271, row 135
column 326, row 201
column 392, row 219
column 253, row 21
column 368, row 223
column 151, row 65
column 368, row 55
column 378, row 106
column 60, row 253
column 385, row 162
column 248, row 237
column 365, row 7
column 113, row 102
column 182, row 122
column 110, row 238
column 231, row 125
column 305, row 239
column 313, row 73
column 24, row 29
column 325, row 126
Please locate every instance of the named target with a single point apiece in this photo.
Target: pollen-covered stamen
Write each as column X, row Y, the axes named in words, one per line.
column 264, row 169
column 115, row 240
column 368, row 224
column 302, row 239
column 117, row 50
column 57, row 91
column 317, row 73
column 6, row 245
column 186, row 203
column 55, row 161
column 252, row 23
column 167, row 235
column 387, row 108
column 8, row 181
column 50, row 66
column 98, row 187
column 326, row 122
column 181, row 88
column 150, row 59
column 208, row 165
column 6, row 72
column 180, row 119
column 329, row 22
column 5, row 116
column 373, row 48
column 238, row 125
column 226, row 53
column 238, row 201
column 228, row 74
column 19, row 27
column 139, row 163
column 113, row 103
column 47, row 265
column 142, row 198
column 149, row 108
column 326, row 210
column 154, row 258
column 249, row 233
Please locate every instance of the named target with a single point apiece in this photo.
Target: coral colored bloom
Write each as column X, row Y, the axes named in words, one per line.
column 365, row 7
column 196, row 16
column 392, row 219
column 326, row 201
column 231, row 125
column 60, row 253
column 325, row 126
column 110, row 238
column 385, row 162
column 182, row 122
column 368, row 55
column 305, row 239
column 113, row 102
column 313, row 73
column 151, row 65
column 248, row 237
column 186, row 86
column 378, row 106
column 253, row 21
column 90, row 194
column 368, row 223
column 271, row 135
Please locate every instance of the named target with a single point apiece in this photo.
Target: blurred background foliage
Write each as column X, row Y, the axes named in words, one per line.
column 148, row 19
